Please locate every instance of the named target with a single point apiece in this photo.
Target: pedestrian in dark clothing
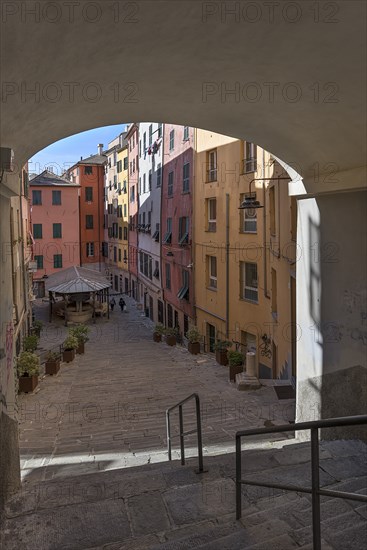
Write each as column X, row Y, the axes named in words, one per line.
column 112, row 303
column 122, row 303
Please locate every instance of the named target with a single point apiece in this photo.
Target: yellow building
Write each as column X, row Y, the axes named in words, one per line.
column 244, row 264
column 123, row 216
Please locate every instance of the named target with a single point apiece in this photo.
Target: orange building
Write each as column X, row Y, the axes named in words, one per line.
column 55, row 225
column 89, row 174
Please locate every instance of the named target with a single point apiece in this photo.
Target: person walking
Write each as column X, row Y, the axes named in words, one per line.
column 122, row 303
column 112, row 303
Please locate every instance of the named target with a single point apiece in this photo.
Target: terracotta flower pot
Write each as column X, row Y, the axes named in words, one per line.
column 28, row 384
column 68, row 355
column 171, row 340
column 194, row 347
column 52, row 367
column 221, row 356
column 157, row 337
column 233, row 370
column 81, row 348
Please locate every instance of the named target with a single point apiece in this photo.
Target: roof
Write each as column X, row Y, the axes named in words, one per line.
column 75, row 280
column 47, row 178
column 94, row 159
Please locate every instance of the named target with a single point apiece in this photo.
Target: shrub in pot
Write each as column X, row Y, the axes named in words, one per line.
column 30, row 343
column 52, row 365
column 28, row 368
column 37, row 327
column 158, row 332
column 236, row 360
column 171, row 336
column 70, row 345
column 193, row 335
column 81, row 333
column 221, row 347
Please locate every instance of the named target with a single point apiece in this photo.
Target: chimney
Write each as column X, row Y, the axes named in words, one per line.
column 100, row 148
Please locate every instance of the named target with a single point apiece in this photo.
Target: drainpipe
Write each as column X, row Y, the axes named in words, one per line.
column 266, row 293
column 80, row 230
column 227, row 265
column 24, row 241
column 99, row 213
column 193, row 244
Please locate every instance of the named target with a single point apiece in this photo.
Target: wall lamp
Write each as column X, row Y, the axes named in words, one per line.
column 250, row 204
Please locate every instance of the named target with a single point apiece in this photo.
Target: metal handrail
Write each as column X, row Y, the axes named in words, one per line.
column 315, row 490
column 182, row 433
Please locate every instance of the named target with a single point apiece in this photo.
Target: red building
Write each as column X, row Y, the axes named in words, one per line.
column 176, row 226
column 89, row 174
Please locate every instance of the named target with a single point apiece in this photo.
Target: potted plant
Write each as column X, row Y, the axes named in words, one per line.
column 28, row 367
column 52, row 365
column 158, row 332
column 81, row 333
column 236, row 359
column 221, row 347
column 70, row 345
column 37, row 327
column 171, row 336
column 193, row 335
column 30, row 343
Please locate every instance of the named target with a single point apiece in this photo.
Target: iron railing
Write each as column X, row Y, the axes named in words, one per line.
column 182, row 434
column 315, row 490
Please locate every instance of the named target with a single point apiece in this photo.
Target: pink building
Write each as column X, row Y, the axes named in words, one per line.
column 55, row 225
column 133, row 155
column 176, row 226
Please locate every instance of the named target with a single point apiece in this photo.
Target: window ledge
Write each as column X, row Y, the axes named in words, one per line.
column 256, row 303
column 212, row 288
column 248, row 232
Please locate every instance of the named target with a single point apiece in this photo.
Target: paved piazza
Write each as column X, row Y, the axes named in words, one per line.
column 106, row 409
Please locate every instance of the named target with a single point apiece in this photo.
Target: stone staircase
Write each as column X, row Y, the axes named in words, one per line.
column 167, row 506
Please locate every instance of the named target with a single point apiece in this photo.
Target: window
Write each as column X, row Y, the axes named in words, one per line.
column 115, row 182
column 88, row 170
column 125, row 210
column 119, row 166
column 159, row 175
column 168, row 236
column 249, row 222
column 274, row 304
column 212, row 165
column 37, row 230
column 125, row 257
column 115, row 158
column 115, row 253
column 183, row 293
column 90, row 250
column 250, row 164
column 89, row 221
column 145, row 264
column 57, row 230
column 126, row 163
column 120, row 255
column 186, row 133
column 186, row 178
column 169, row 316
column 56, row 197
column 212, row 271
column 249, row 286
column 212, row 214
column 168, row 276
column 125, row 187
column 88, row 194
column 125, row 233
column 170, row 184
column 272, row 210
column 150, row 134
column 150, row 180
column 155, row 235
column 119, row 210
column 133, row 165
column 183, row 230
column 120, row 233
column 57, row 261
column 132, row 193
column 156, row 269
column 36, row 197
column 144, row 183
column 144, row 142
column 39, row 261
column 171, row 140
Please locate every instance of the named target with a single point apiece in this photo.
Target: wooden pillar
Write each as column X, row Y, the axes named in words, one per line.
column 94, row 308
column 108, row 303
column 66, row 310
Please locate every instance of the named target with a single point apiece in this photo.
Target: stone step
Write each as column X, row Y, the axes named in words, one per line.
column 245, row 382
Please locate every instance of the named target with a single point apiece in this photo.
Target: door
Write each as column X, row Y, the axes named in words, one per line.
column 293, row 327
column 211, row 337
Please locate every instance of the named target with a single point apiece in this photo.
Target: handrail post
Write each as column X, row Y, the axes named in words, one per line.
column 182, row 444
column 169, row 443
column 238, row 478
column 315, row 489
column 200, row 439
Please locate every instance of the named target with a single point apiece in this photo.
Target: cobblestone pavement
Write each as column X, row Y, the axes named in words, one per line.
column 106, row 409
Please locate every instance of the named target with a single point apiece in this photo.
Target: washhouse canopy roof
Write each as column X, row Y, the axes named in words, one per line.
column 76, row 280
